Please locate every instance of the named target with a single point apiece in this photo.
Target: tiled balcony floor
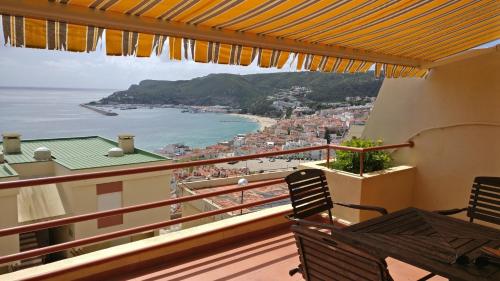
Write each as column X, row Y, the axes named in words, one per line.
column 267, row 257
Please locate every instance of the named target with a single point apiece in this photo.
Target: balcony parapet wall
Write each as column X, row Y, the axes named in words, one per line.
column 151, row 251
column 390, row 188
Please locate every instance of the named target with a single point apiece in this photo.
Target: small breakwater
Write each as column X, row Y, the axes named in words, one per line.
column 99, row 110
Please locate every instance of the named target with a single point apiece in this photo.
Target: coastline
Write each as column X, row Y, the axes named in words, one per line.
column 264, row 122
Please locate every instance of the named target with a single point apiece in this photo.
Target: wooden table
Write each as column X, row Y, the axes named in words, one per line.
column 429, row 241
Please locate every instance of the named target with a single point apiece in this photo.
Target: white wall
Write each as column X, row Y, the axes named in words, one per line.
column 453, row 117
column 137, row 189
column 8, row 202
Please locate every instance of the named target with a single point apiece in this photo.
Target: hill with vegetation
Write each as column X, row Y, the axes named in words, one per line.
column 250, row 93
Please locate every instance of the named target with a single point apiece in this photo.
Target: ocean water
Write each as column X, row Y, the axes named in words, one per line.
column 52, row 113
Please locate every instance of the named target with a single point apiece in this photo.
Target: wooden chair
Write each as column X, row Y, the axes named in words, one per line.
column 484, row 201
column 328, row 257
column 310, row 195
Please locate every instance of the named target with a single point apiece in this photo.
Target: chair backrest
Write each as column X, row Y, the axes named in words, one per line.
column 484, row 203
column 309, row 193
column 325, row 257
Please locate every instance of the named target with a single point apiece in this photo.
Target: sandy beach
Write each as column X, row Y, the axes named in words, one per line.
column 263, row 121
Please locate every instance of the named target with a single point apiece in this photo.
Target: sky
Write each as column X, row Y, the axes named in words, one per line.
column 43, row 68
column 22, row 67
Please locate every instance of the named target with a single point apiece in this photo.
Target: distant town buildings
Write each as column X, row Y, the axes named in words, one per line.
column 305, row 128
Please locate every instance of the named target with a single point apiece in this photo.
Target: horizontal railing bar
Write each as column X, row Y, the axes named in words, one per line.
column 373, row 148
column 390, row 146
column 344, row 148
column 130, row 231
column 129, row 171
column 172, row 166
column 140, row 207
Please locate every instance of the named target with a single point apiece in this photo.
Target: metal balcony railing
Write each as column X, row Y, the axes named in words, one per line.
column 140, row 207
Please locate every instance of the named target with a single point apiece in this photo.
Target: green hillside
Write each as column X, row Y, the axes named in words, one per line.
column 248, row 92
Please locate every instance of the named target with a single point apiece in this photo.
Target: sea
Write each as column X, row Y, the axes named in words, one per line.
column 55, row 113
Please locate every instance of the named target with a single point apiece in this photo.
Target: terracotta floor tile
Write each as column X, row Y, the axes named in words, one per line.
column 401, row 271
column 264, row 258
column 251, row 260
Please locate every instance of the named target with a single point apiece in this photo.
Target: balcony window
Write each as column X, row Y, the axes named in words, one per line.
column 109, row 196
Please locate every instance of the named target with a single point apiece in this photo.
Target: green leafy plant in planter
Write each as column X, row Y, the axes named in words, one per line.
column 349, row 161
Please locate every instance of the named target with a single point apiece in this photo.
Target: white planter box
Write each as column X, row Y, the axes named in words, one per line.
column 390, row 188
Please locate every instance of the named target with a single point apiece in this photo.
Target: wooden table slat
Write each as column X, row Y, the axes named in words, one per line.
column 406, row 225
column 421, row 229
column 458, row 242
column 429, row 244
column 413, row 247
column 375, row 224
column 474, row 245
column 462, row 229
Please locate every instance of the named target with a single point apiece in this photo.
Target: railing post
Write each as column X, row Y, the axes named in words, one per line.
column 241, row 202
column 242, row 182
column 361, row 162
column 328, row 157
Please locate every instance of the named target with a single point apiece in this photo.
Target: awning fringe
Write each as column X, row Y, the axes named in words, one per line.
column 41, row 34
column 33, row 33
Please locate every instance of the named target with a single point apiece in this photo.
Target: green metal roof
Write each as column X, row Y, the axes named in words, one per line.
column 6, row 171
column 81, row 153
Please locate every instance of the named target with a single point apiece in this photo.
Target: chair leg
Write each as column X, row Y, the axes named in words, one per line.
column 331, row 217
column 427, row 277
column 292, row 272
column 388, row 275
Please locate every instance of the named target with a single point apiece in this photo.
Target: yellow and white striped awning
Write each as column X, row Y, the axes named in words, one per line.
column 401, row 37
